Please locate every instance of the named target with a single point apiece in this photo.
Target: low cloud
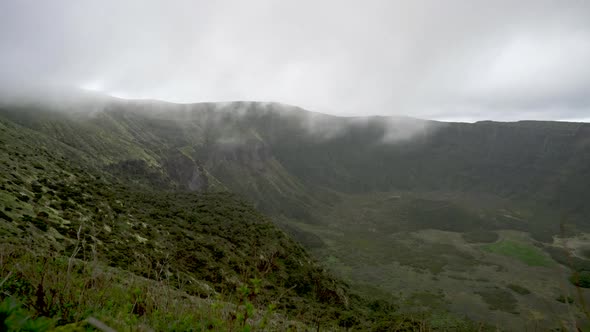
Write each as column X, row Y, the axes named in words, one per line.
column 458, row 59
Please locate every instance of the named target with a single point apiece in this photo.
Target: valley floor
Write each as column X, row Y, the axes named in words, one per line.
column 503, row 277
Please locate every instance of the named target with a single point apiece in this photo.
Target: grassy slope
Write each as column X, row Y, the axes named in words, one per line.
column 321, row 185
column 57, row 205
column 269, row 153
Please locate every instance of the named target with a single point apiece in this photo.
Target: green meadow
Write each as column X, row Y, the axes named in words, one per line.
column 525, row 253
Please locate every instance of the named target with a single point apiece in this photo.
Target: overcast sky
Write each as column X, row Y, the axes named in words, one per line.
column 447, row 60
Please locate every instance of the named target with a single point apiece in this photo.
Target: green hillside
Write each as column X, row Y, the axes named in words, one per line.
column 440, row 219
column 80, row 242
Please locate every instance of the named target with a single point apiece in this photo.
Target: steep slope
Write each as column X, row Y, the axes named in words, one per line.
column 532, row 160
column 271, row 151
column 56, row 202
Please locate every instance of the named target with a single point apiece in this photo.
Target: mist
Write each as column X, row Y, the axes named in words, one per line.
column 457, row 60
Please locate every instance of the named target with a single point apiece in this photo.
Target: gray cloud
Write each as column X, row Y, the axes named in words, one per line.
column 450, row 60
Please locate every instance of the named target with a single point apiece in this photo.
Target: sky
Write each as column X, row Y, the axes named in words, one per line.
column 445, row 60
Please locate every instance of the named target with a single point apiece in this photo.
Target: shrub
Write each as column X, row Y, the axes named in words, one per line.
column 581, row 279
column 40, row 224
column 36, row 187
column 348, row 320
column 4, row 216
column 14, row 318
column 564, row 299
column 67, row 205
column 43, row 214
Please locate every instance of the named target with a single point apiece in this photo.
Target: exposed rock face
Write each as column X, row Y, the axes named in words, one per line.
column 138, row 171
column 186, row 172
column 253, row 154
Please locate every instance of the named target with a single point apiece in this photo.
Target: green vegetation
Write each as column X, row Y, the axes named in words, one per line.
column 581, row 279
column 14, row 318
column 564, row 299
column 187, row 245
column 499, row 299
column 97, row 245
column 69, row 291
column 520, row 251
column 141, row 189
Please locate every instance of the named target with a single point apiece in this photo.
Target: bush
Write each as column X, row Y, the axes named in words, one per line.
column 348, row 320
column 36, row 188
column 581, row 279
column 27, row 218
column 564, row 299
column 67, row 205
column 43, row 214
column 519, row 289
column 40, row 224
column 5, row 216
column 14, row 318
